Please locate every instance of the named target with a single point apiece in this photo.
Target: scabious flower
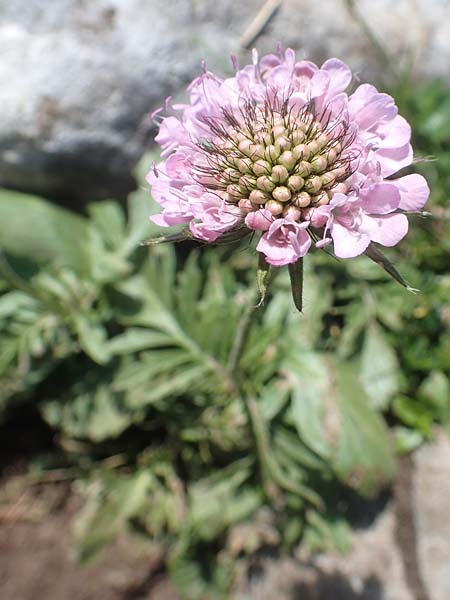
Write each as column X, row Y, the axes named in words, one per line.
column 284, row 151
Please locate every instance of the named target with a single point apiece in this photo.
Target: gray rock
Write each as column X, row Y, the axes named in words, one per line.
column 431, row 493
column 79, row 77
column 372, row 570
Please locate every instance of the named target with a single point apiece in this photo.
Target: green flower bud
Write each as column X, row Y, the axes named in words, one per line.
column 247, row 182
column 272, row 153
column 265, row 184
column 331, row 156
column 313, row 185
column 303, row 168
column 245, row 146
column 257, row 197
column 262, row 167
column 245, row 205
column 328, row 178
column 279, row 174
column 244, row 165
column 231, row 174
column 301, row 152
column 292, row 212
column 282, row 193
column 321, row 199
column 234, row 191
column 295, row 183
column 283, row 142
column 275, row 207
column 313, row 147
column 298, row 136
column 319, row 164
column 302, row 200
column 287, row 159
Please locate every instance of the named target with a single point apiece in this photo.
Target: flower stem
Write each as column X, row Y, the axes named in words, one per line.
column 243, row 329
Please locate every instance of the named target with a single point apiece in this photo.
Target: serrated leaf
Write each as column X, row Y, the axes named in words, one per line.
column 94, row 413
column 332, row 416
column 135, row 339
column 220, row 500
column 93, row 339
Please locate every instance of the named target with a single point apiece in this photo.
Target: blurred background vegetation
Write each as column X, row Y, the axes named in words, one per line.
column 176, row 428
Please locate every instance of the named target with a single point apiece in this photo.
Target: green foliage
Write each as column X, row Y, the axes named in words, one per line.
column 189, row 428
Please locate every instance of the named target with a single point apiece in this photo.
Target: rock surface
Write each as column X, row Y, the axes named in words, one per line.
column 80, row 77
column 373, row 570
column 431, row 493
column 403, row 555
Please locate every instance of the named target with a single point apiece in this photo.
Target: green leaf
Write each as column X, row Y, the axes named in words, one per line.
column 135, row 339
column 40, row 232
column 221, row 500
column 93, row 339
column 333, row 418
column 109, row 507
column 414, row 413
column 88, row 411
column 379, row 368
column 109, row 220
column 407, row 440
column 435, row 390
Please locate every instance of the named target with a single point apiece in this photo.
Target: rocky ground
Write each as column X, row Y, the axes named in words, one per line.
column 403, row 555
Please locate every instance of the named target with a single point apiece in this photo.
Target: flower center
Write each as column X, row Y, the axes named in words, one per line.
column 277, row 158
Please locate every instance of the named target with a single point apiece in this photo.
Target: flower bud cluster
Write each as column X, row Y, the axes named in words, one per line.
column 281, row 162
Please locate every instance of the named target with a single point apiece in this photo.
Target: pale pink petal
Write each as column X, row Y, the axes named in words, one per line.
column 338, row 200
column 319, row 84
column 259, row 219
column 361, row 96
column 392, row 160
column 387, row 230
column 323, row 242
column 167, row 219
column 305, row 69
column 394, row 134
column 414, row 191
column 285, row 242
column 319, row 216
column 172, row 134
column 204, row 232
column 380, row 199
column 340, row 75
column 348, row 242
column 300, row 240
column 372, row 107
column 277, row 254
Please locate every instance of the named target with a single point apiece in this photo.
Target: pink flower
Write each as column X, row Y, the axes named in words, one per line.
column 281, row 149
column 285, row 242
column 212, row 217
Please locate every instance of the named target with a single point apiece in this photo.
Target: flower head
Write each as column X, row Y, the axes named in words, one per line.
column 281, row 149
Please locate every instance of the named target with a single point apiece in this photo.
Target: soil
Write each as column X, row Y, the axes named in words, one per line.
column 35, row 547
column 36, row 537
